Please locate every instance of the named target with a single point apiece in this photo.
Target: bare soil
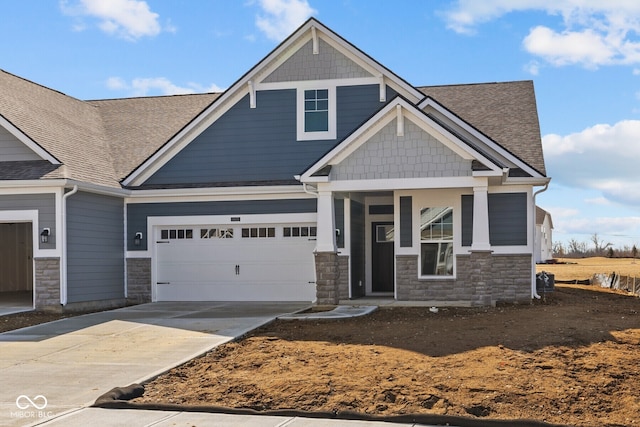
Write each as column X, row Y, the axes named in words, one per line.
column 571, row 359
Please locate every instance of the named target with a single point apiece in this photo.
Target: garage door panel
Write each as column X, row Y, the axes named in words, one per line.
column 251, row 263
column 237, row 292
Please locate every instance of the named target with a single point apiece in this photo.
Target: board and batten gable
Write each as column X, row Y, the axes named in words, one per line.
column 260, row 144
column 95, row 251
column 13, row 150
column 507, row 219
column 45, row 204
column 138, row 213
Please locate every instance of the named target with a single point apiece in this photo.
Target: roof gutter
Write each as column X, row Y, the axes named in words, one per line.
column 534, row 291
column 63, row 243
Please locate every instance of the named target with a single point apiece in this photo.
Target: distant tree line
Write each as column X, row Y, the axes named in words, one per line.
column 595, row 247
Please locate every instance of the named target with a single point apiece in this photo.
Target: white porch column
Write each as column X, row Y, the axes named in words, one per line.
column 326, row 233
column 480, row 238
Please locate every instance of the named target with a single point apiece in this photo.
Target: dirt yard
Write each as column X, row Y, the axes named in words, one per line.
column 572, row 360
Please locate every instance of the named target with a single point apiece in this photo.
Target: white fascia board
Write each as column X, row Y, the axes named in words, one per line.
column 53, row 185
column 213, row 194
column 401, row 184
column 31, row 186
column 534, row 181
column 479, row 135
column 30, row 143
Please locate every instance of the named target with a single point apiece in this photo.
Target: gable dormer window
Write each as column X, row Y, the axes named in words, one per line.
column 316, row 110
column 316, row 115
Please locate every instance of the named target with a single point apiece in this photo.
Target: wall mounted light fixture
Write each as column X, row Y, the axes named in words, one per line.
column 137, row 239
column 44, row 236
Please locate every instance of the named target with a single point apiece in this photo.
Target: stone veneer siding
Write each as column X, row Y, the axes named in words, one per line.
column 47, row 284
column 343, row 277
column 482, row 279
column 327, row 278
column 138, row 280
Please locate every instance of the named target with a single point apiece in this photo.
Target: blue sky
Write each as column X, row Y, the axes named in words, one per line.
column 583, row 56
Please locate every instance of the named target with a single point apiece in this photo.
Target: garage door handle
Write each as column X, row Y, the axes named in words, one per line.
column 163, row 283
column 163, row 241
column 237, row 270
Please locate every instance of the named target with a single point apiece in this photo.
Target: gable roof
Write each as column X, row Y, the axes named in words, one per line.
column 505, row 112
column 400, row 110
column 541, row 214
column 256, row 78
column 113, row 142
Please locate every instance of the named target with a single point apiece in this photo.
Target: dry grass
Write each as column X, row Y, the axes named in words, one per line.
column 585, row 268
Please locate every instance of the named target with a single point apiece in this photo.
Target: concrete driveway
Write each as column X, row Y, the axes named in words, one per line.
column 58, row 367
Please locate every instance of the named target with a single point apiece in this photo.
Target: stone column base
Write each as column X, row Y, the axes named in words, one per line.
column 327, row 278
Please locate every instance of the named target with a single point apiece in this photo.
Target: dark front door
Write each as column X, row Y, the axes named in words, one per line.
column 382, row 272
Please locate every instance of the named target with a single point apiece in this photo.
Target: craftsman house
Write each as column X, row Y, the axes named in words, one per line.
column 320, row 175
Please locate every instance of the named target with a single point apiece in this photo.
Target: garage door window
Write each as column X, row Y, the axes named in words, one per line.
column 216, row 233
column 299, row 231
column 258, row 232
column 176, row 233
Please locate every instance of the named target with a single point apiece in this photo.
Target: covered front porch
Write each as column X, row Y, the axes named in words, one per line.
column 430, row 246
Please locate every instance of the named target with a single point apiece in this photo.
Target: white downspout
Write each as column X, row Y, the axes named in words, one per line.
column 63, row 235
column 534, row 291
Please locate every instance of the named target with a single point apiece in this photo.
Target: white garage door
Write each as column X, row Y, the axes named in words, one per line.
column 262, row 262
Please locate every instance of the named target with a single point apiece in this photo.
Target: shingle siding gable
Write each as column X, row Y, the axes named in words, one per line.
column 327, row 64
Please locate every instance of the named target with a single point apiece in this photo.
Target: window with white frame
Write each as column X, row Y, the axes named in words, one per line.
column 316, row 113
column 436, row 241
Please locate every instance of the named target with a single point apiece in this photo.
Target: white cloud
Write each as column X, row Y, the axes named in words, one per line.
column 129, row 19
column 593, row 32
column 603, row 158
column 150, row 86
column 602, row 225
column 602, row 201
column 281, row 17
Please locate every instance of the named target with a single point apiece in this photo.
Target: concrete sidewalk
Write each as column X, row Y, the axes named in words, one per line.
column 63, row 366
column 139, row 418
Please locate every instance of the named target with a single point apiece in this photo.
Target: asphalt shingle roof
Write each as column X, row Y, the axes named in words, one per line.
column 137, row 127
column 103, row 141
column 506, row 112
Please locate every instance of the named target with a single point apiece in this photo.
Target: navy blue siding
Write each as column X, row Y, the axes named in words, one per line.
column 357, row 249
column 467, row 220
column 260, row 144
column 95, row 250
column 45, row 204
column 137, row 213
column 507, row 219
column 406, row 226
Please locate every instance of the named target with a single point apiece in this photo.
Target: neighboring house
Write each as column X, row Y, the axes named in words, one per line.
column 544, row 238
column 320, row 175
